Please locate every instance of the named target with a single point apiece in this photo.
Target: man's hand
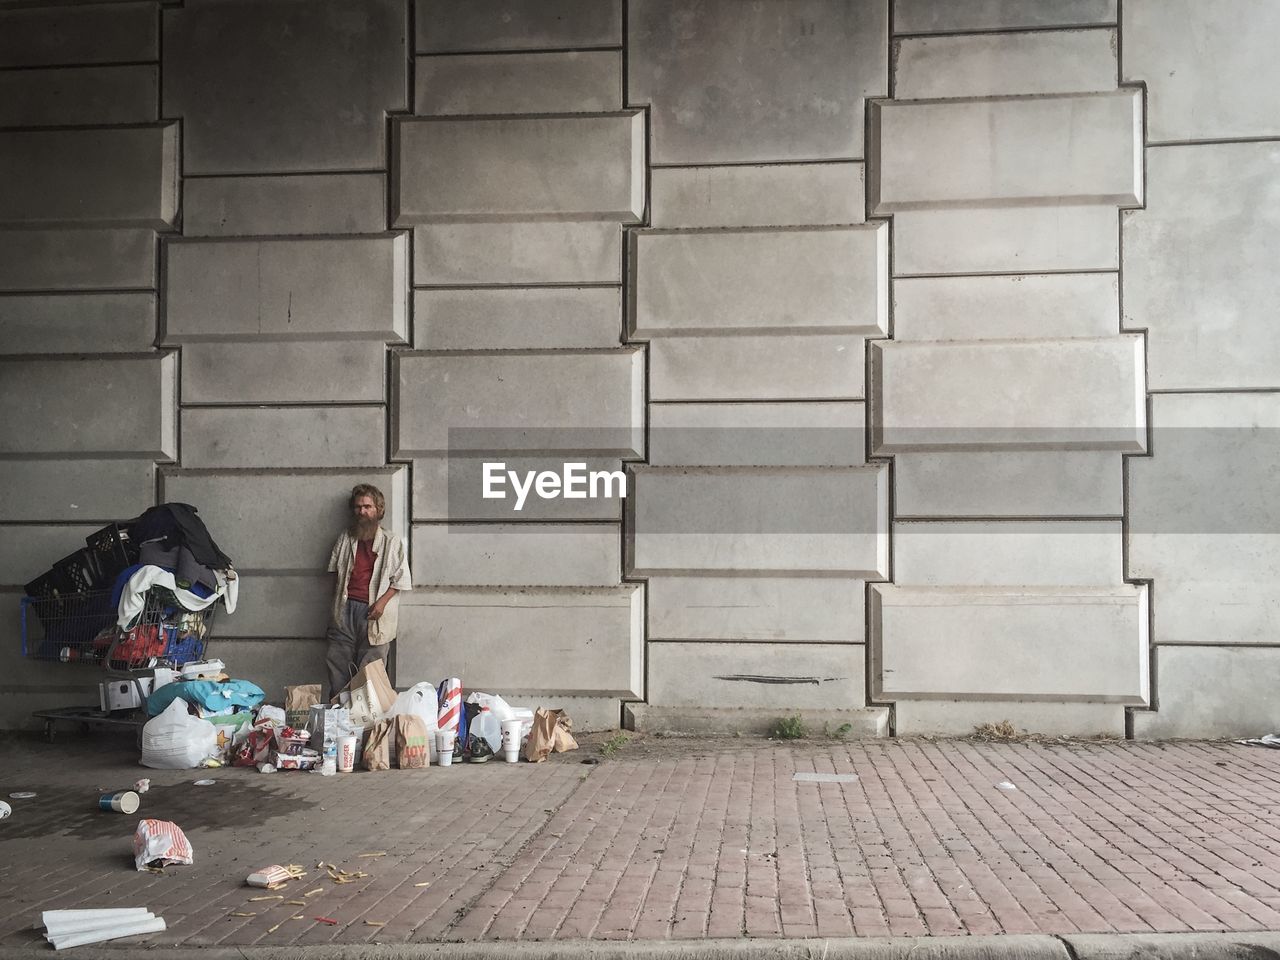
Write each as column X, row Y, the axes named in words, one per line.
column 375, row 610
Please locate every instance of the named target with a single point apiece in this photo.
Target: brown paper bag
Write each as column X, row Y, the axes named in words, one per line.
column 550, row 733
column 377, row 749
column 411, row 741
column 371, row 694
column 298, row 702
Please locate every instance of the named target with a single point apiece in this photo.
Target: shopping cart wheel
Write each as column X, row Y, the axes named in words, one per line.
column 49, row 731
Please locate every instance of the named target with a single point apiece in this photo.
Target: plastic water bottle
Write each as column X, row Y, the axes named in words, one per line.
column 329, row 766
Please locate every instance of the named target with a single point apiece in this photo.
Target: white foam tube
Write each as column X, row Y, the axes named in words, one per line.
column 132, row 929
column 102, row 913
column 63, row 927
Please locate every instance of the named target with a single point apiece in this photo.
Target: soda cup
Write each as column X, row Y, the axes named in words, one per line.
column 122, row 801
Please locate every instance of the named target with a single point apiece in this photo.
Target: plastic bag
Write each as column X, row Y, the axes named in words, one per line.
column 159, row 843
column 419, row 700
column 175, row 740
column 494, row 704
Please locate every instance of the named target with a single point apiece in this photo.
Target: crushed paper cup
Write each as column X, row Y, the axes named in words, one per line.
column 142, row 786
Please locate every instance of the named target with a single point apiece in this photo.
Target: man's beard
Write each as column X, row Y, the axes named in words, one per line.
column 363, row 528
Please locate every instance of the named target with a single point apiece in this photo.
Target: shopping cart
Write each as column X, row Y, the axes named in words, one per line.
column 82, row 628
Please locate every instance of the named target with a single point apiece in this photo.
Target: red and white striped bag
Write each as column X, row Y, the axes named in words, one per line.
column 160, row 843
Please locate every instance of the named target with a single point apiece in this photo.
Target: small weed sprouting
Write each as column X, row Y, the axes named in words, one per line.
column 613, row 745
column 842, row 731
column 789, row 728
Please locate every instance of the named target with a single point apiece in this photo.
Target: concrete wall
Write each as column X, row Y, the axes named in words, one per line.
column 935, row 339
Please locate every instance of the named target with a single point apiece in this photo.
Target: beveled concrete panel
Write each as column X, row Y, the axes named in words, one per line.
column 791, row 609
column 274, row 521
column 496, row 554
column 77, row 259
column 757, row 434
column 253, row 104
column 1009, row 483
column 1006, row 240
column 1076, row 643
column 282, row 371
column 81, row 490
column 78, row 323
column 768, row 195
column 1006, row 308
column 959, row 718
column 515, row 253
column 589, row 81
column 589, row 402
column 757, row 675
column 997, row 553
column 574, row 167
column 280, row 606
column 284, row 437
column 108, row 407
column 855, row 723
column 1205, row 517
column 452, row 488
column 272, row 663
column 1209, row 72
column 542, row 643
column 1083, row 148
column 820, row 280
column 80, row 34
column 815, row 367
column 1212, row 692
column 734, row 82
column 318, row 288
column 283, row 206
column 1199, row 266
column 30, row 549
column 79, row 96
column 91, row 177
column 1014, row 395
column 1001, row 64
column 521, row 318
column 759, row 520
column 960, row 16
column 444, row 26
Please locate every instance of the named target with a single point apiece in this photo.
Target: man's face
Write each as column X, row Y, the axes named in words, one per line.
column 364, row 509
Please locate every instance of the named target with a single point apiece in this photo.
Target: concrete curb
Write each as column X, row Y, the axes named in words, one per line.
column 1034, row 947
column 1156, row 946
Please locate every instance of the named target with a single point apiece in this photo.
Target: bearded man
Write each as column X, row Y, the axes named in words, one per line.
column 372, row 567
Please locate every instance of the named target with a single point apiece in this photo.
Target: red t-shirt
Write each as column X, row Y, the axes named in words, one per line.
column 358, row 585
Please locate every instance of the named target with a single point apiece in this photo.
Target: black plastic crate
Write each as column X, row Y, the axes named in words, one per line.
column 80, row 569
column 113, row 548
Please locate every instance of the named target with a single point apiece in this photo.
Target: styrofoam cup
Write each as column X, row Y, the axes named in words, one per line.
column 347, row 753
column 511, row 740
column 444, row 747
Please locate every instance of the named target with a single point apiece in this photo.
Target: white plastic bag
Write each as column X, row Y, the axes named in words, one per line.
column 495, row 704
column 175, row 740
column 420, row 701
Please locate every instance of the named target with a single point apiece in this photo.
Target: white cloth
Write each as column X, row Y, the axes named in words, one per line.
column 134, row 595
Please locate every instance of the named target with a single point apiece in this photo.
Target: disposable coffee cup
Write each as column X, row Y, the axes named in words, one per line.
column 511, row 740
column 122, row 801
column 347, row 753
column 444, row 746
column 5, row 810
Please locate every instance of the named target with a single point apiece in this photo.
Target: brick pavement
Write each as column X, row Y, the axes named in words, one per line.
column 675, row 839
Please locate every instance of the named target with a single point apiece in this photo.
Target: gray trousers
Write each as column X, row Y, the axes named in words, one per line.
column 349, row 648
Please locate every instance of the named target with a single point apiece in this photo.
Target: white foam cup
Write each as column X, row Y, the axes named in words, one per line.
column 511, row 740
column 444, row 746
